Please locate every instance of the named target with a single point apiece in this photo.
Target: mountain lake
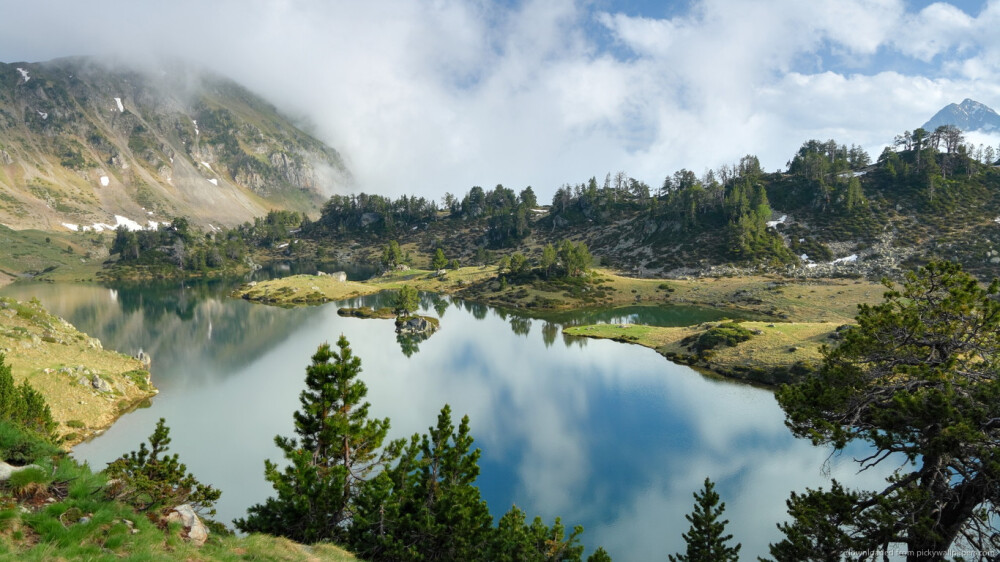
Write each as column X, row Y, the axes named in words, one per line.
column 610, row 436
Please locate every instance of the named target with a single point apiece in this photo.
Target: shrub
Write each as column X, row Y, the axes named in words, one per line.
column 150, row 478
column 20, row 447
column 24, row 405
column 727, row 334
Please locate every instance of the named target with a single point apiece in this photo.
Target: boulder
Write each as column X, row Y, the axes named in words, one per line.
column 340, row 276
column 6, row 470
column 100, row 384
column 194, row 531
column 414, row 325
column 144, row 358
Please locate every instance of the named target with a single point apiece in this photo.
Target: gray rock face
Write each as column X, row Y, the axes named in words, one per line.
column 970, row 115
column 415, row 325
column 100, row 384
column 194, row 530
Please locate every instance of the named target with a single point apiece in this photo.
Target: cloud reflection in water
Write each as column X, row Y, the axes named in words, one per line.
column 603, row 434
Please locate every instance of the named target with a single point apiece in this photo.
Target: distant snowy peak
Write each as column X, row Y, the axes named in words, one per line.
column 969, row 115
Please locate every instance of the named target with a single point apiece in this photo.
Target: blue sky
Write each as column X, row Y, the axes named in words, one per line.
column 428, row 96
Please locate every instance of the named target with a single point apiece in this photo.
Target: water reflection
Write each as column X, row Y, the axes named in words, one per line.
column 191, row 323
column 355, row 271
column 602, row 434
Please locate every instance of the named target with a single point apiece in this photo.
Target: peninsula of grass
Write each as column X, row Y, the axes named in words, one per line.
column 86, row 386
column 299, row 290
column 774, row 352
column 384, row 313
column 785, row 299
column 800, row 315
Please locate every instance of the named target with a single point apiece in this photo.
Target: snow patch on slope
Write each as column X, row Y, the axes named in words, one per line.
column 119, row 221
column 773, row 224
column 24, row 74
column 853, row 258
column 121, row 107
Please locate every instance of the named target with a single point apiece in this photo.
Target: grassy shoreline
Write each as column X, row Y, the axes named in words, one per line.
column 775, row 354
column 86, row 386
column 802, row 315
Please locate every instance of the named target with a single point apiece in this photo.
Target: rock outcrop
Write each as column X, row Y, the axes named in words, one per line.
column 416, row 326
column 6, row 470
column 193, row 530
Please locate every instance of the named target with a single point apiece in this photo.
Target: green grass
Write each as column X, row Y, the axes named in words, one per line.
column 367, row 312
column 45, row 254
column 775, row 352
column 49, row 353
column 60, row 512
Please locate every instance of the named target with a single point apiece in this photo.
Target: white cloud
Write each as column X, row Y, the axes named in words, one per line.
column 439, row 95
column 933, row 31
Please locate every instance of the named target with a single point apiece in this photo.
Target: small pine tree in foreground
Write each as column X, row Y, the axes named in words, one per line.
column 150, row 478
column 338, row 447
column 23, row 405
column 706, row 541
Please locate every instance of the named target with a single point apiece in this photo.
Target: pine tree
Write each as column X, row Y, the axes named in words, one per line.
column 24, row 405
column 427, row 506
column 392, row 255
column 150, row 478
column 916, row 378
column 337, row 449
column 549, row 258
column 517, row 541
column 439, row 261
column 705, row 539
column 407, row 301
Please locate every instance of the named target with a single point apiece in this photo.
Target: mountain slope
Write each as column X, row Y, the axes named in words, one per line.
column 84, row 141
column 970, row 115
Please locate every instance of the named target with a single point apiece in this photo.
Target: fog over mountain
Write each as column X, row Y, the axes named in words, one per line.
column 434, row 96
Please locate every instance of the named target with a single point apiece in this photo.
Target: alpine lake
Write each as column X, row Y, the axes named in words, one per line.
column 610, row 436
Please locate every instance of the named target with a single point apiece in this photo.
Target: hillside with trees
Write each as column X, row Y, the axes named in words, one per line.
column 929, row 196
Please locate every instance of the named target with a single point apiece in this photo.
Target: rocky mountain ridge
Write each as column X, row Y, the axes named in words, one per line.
column 970, row 115
column 86, row 141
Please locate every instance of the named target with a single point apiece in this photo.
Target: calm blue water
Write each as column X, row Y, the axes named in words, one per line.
column 603, row 434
